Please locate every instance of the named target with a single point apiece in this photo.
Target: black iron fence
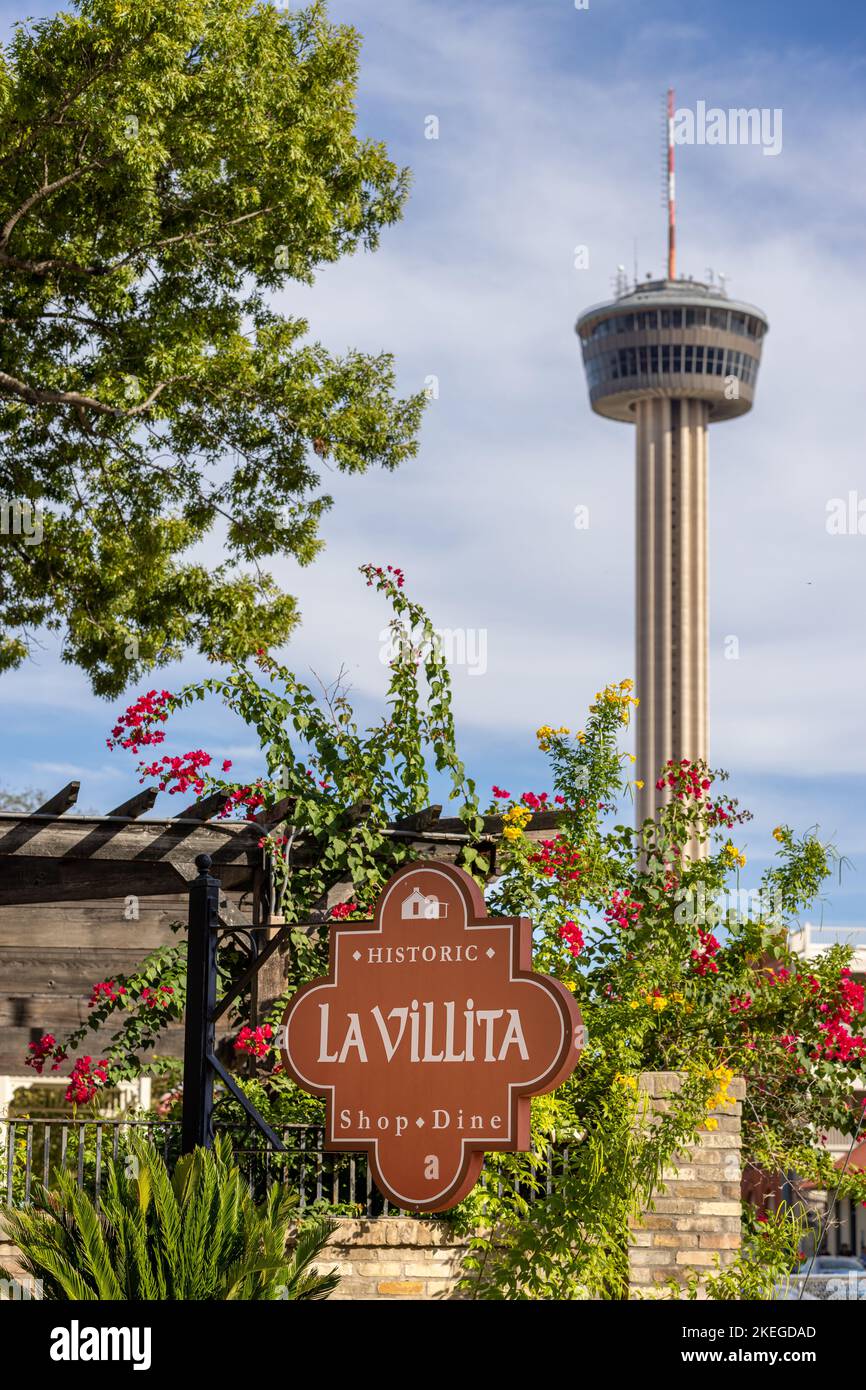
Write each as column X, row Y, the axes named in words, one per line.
column 32, row 1149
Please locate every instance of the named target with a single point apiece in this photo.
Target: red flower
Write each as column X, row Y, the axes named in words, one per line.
column 374, row 574
column 47, row 1047
column 135, row 726
column 85, row 1080
column 571, row 934
column 341, row 910
column 156, row 998
column 180, row 773
column 703, row 958
column 623, row 911
column 256, row 1042
column 556, row 859
column 107, row 990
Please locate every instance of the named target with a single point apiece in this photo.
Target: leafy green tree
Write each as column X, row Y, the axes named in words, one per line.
column 164, row 169
column 194, row 1236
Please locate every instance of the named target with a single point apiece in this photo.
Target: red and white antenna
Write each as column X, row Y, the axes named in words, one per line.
column 672, row 201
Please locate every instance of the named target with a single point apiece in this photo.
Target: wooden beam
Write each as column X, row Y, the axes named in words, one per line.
column 95, row 837
column 493, row 825
column 230, row 915
column 136, row 805
column 72, row 858
column 204, row 808
column 61, row 802
column 55, row 858
column 419, row 820
column 272, row 815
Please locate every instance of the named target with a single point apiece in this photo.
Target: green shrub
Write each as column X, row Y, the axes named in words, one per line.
column 195, row 1235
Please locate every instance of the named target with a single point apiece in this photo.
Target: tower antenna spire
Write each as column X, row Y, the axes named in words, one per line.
column 672, row 201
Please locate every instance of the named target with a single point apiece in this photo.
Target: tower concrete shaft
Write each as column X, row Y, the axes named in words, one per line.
column 671, row 357
column 671, row 590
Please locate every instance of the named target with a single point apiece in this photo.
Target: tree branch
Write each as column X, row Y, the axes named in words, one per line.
column 36, row 197
column 39, row 396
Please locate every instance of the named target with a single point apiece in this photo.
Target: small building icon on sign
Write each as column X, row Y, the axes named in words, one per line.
column 420, row 906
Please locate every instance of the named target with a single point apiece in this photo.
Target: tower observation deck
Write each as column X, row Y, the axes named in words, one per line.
column 671, row 357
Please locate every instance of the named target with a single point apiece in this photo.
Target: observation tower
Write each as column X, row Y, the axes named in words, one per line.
column 671, row 357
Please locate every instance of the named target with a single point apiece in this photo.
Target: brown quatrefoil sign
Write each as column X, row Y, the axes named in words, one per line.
column 429, row 1035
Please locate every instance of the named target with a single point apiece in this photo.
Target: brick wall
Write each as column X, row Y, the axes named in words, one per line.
column 695, row 1222
column 394, row 1257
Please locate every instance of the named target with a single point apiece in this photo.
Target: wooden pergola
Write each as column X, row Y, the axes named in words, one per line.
column 54, row 855
column 51, row 855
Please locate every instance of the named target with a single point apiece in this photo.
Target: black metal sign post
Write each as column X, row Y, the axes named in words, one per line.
column 201, row 976
column 200, row 1063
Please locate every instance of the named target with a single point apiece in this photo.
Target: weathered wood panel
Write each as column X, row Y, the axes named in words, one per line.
column 61, row 969
column 13, row 1047
column 98, row 924
column 52, row 954
column 64, row 1011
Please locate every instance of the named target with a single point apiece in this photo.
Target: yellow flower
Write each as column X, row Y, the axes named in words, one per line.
column 634, row 1004
column 546, row 733
column 656, row 1001
column 710, row 1124
column 723, row 1076
column 779, row 834
column 639, row 784
column 581, row 737
column 632, row 758
column 616, row 697
column 628, row 1081
column 734, row 855
column 514, row 820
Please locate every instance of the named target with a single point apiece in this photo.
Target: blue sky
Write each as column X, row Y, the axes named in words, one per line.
column 549, row 138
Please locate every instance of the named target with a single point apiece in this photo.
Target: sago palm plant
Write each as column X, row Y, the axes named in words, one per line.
column 196, row 1235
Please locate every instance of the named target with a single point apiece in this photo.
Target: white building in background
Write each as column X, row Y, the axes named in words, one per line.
column 811, row 942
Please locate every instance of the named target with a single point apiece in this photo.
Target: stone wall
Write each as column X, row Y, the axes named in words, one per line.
column 395, row 1257
column 695, row 1223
